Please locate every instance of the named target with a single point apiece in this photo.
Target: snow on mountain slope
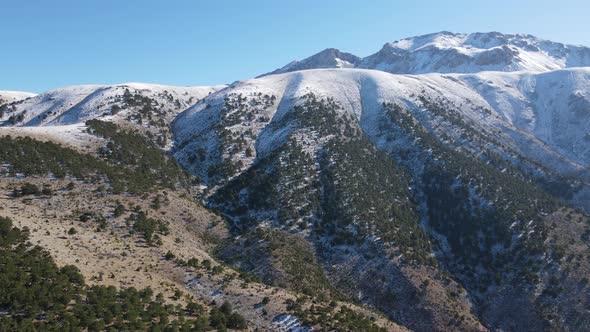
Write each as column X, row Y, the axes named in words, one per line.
column 328, row 58
column 446, row 52
column 554, row 106
column 74, row 136
column 75, row 104
column 7, row 97
column 525, row 113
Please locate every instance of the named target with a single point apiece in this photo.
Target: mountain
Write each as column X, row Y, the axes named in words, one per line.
column 447, row 52
column 328, row 58
column 396, row 178
column 7, row 97
column 118, row 240
column 116, row 222
column 147, row 107
column 321, row 199
column 542, row 117
column 75, row 104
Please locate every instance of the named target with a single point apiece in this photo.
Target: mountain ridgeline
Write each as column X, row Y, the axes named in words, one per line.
column 447, row 52
column 442, row 182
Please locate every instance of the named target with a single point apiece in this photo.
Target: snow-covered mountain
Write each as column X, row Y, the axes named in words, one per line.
column 447, row 52
column 79, row 103
column 541, row 116
column 146, row 107
column 339, row 154
column 7, row 97
column 328, row 58
column 433, row 179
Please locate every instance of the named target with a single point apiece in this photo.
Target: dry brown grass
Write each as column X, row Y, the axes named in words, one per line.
column 116, row 257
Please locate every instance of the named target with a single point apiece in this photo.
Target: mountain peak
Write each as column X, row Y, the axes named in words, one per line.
column 328, row 58
column 449, row 52
column 441, row 39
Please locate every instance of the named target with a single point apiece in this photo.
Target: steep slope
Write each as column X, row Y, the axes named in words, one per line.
column 447, row 52
column 552, row 106
column 399, row 180
column 513, row 109
column 328, row 58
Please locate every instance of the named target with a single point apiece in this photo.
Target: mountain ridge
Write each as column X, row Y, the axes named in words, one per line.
column 7, row 97
column 447, row 52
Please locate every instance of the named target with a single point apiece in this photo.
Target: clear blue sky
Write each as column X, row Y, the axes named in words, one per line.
column 47, row 44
